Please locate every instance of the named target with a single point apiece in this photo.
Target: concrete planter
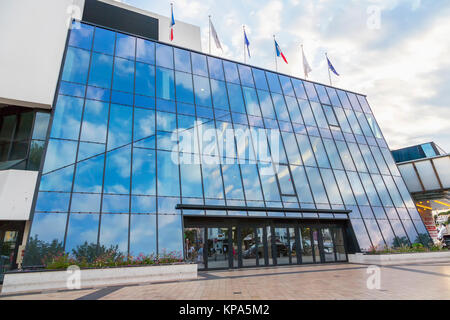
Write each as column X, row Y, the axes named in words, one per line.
column 52, row 280
column 399, row 258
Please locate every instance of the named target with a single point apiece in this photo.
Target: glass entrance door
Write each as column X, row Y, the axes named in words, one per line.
column 249, row 247
column 194, row 246
column 218, row 254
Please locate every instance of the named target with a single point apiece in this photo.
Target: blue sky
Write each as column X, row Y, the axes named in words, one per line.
column 400, row 61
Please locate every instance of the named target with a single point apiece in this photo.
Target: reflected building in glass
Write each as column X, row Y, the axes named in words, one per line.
column 155, row 148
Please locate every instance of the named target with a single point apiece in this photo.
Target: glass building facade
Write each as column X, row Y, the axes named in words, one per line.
column 115, row 169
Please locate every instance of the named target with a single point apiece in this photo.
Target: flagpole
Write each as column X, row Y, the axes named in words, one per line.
column 276, row 62
column 303, row 62
column 329, row 73
column 245, row 58
column 209, row 33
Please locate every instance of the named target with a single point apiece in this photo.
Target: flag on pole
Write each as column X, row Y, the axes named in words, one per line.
column 330, row 66
column 306, row 67
column 172, row 23
column 215, row 36
column 247, row 43
column 279, row 52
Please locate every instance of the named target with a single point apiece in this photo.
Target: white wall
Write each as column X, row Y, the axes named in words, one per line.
column 185, row 35
column 32, row 37
column 16, row 194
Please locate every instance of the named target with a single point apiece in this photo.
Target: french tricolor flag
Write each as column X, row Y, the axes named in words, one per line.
column 172, row 23
column 279, row 52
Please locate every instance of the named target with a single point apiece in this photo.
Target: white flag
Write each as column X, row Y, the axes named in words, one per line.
column 306, row 66
column 215, row 36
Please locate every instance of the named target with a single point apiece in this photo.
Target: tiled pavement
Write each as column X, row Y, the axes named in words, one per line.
column 330, row 281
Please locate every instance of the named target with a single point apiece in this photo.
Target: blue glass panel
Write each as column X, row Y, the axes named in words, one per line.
column 294, row 111
column 251, row 101
column 76, row 65
column 374, row 232
column 165, row 87
column 239, row 118
column 331, row 186
column 285, row 126
column 115, row 203
column 52, row 202
column 142, row 234
column 166, row 121
column 144, row 102
column 316, row 184
column 364, row 125
column 168, row 178
column 364, row 104
column 191, row 180
column 368, row 158
column 59, row 154
column 245, row 73
column 182, row 60
column 89, row 175
column 125, row 46
column 322, row 94
column 299, row 89
column 145, row 79
column 395, row 195
column 266, row 104
column 144, row 172
column 284, row 178
column 271, row 124
column 307, row 114
column 87, row 150
column 280, row 107
column 215, row 68
column 81, row 35
column 345, row 156
column 101, row 70
column 72, row 89
column 354, row 101
column 231, row 73
column 319, row 115
column 357, row 188
column 85, row 202
column 66, row 121
column 49, row 227
column 82, row 230
column 202, row 91
column 250, row 178
column 268, row 181
column 184, row 89
column 344, row 99
column 276, row 146
column 199, row 65
column 232, row 181
column 342, row 120
column 164, row 56
column 120, row 97
column 359, row 161
column 287, row 86
column 144, row 128
column 59, row 180
column 301, row 184
column 274, row 83
column 95, row 121
column 205, row 113
column 311, row 91
column 333, row 96
column 170, row 234
column 143, row 204
column 236, row 100
column 291, row 149
column 123, row 75
column 260, row 79
column 370, row 189
column 145, row 51
column 219, row 94
column 117, row 171
column 104, row 41
column 306, row 150
column 344, row 186
column 114, row 232
column 212, row 177
column 319, row 150
column 120, row 126
column 333, row 154
column 382, row 191
column 330, row 115
column 98, row 94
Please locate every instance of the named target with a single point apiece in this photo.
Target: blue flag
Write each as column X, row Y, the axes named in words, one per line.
column 247, row 43
column 331, row 67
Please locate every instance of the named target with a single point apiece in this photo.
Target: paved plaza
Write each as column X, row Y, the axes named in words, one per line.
column 331, row 281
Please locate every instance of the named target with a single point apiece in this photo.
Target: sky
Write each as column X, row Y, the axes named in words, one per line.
column 393, row 51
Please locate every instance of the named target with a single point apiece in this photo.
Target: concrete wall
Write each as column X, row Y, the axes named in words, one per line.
column 16, row 194
column 33, row 35
column 185, row 35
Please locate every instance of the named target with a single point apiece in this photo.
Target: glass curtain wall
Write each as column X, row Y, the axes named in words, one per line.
column 140, row 126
